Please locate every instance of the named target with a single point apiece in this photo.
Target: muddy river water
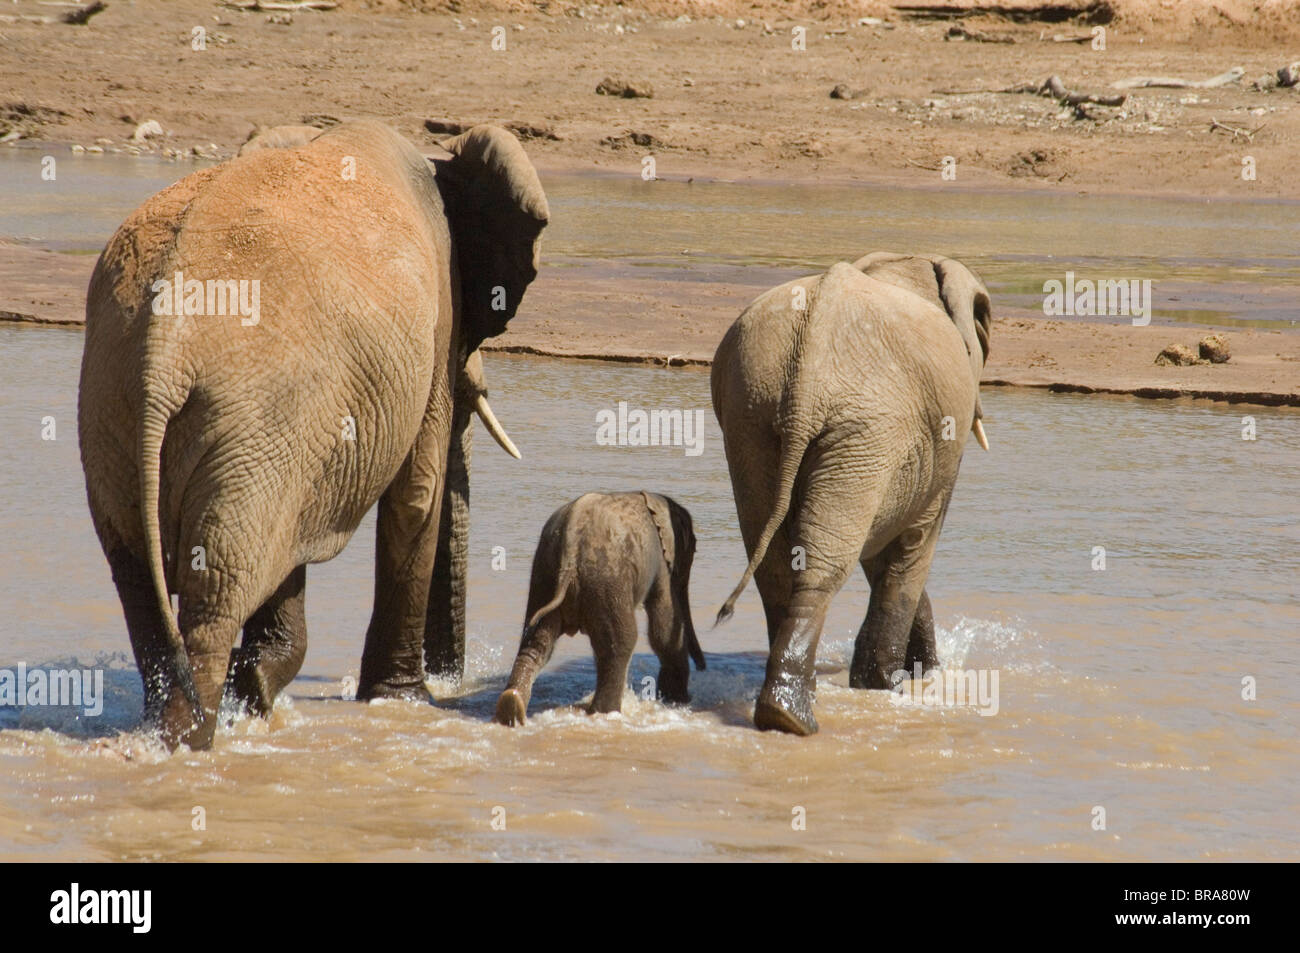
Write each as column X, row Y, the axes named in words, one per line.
column 1219, row 261
column 1118, row 688
column 1160, row 694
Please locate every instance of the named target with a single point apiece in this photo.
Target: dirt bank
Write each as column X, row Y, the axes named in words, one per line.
column 731, row 98
column 570, row 312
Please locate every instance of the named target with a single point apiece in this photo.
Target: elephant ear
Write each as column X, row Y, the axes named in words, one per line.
column 967, row 302
column 948, row 283
column 496, row 210
column 663, row 520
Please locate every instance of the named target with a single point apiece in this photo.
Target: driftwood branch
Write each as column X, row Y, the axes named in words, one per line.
column 1056, row 89
column 1247, row 134
column 922, row 165
column 1052, row 86
column 977, row 36
column 258, row 5
column 1143, row 82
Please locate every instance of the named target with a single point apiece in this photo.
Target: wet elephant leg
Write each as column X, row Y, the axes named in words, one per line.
column 410, row 511
column 444, row 631
column 146, row 628
column 534, row 652
column 613, row 638
column 209, row 638
column 667, row 636
column 274, row 645
column 897, row 576
column 920, row 642
column 786, row 700
column 773, row 581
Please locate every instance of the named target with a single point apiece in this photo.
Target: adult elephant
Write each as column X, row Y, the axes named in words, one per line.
column 844, row 401
column 226, row 447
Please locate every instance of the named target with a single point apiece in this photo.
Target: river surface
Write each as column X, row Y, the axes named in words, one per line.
column 1213, row 261
column 1118, row 689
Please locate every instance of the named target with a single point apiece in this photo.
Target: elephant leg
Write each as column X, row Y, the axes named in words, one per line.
column 774, row 581
column 392, row 663
column 897, row 575
column 274, row 645
column 209, row 639
column 613, row 638
column 146, row 628
column 534, row 652
column 444, row 632
column 833, row 517
column 786, row 699
column 920, row 641
column 667, row 635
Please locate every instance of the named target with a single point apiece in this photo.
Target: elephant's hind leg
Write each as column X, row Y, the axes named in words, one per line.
column 667, row 636
column 534, row 652
column 920, row 642
column 145, row 626
column 275, row 643
column 613, row 638
column 896, row 620
column 209, row 638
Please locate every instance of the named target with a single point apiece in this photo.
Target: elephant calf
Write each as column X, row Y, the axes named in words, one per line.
column 598, row 558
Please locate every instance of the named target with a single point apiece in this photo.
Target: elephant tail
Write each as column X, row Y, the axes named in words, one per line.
column 796, row 434
column 153, row 427
column 792, row 451
column 567, row 575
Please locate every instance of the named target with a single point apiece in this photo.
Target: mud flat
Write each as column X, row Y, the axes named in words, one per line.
column 658, row 321
column 731, row 100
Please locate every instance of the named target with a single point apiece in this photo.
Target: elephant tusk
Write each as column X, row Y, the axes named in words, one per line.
column 978, row 428
column 484, row 411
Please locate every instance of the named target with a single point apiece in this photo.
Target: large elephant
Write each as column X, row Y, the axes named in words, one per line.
column 844, row 401
column 598, row 559
column 272, row 345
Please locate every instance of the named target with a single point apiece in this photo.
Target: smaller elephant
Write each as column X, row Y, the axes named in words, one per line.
column 598, row 558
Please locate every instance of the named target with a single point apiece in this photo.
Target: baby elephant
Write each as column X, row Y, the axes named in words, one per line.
column 598, row 559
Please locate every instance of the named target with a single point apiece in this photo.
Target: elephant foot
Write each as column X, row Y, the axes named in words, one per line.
column 786, row 707
column 405, row 691
column 249, row 686
column 672, row 689
column 511, row 708
column 177, row 726
column 872, row 678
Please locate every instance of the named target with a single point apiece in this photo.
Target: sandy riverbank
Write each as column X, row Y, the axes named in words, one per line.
column 729, row 100
column 657, row 321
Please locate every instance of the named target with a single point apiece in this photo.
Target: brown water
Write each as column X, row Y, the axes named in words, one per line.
column 1118, row 688
column 1228, row 262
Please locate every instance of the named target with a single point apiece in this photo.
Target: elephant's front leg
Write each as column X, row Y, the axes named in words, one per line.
column 444, row 632
column 392, row 664
column 274, row 646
